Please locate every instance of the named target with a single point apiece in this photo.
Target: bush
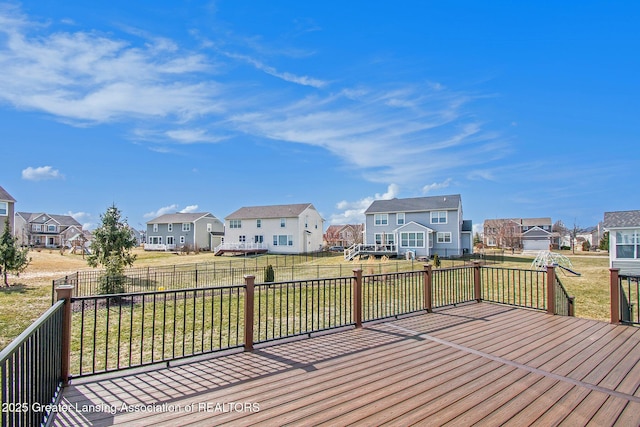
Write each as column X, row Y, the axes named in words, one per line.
column 436, row 261
column 111, row 284
column 269, row 275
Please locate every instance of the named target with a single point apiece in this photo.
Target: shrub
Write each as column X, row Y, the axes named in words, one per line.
column 436, row 260
column 269, row 275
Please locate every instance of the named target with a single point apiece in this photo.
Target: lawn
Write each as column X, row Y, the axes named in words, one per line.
column 30, row 294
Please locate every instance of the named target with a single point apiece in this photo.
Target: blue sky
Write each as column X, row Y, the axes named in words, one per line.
column 525, row 109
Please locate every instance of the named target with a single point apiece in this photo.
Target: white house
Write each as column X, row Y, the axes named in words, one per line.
column 289, row 229
column 624, row 240
column 176, row 231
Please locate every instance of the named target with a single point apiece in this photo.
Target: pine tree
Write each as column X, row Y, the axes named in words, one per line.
column 12, row 258
column 269, row 275
column 111, row 248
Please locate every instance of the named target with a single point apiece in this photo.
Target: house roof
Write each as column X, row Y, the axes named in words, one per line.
column 65, row 220
column 179, row 217
column 6, row 196
column 528, row 222
column 415, row 204
column 620, row 219
column 274, row 211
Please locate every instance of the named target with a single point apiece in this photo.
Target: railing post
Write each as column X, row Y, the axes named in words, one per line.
column 614, row 285
column 427, row 288
column 357, row 297
column 249, row 282
column 64, row 292
column 551, row 289
column 477, row 284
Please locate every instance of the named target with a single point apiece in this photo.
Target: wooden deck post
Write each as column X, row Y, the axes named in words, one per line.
column 64, row 292
column 477, row 284
column 427, row 289
column 249, row 282
column 551, row 289
column 357, row 297
column 614, row 286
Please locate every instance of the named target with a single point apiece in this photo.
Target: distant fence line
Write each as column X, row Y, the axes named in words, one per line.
column 213, row 274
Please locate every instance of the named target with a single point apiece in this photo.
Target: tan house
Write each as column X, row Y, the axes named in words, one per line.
column 344, row 235
column 45, row 230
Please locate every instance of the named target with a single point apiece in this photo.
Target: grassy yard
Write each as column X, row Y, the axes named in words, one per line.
column 30, row 294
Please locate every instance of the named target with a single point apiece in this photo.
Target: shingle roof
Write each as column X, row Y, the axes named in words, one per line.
column 66, row 220
column 6, row 196
column 178, row 217
column 274, row 211
column 416, row 204
column 622, row 219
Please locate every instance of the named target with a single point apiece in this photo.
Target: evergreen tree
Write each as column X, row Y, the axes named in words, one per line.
column 111, row 249
column 12, row 258
column 604, row 242
column 269, row 275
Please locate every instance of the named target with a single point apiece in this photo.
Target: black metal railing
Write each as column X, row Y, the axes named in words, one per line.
column 563, row 302
column 121, row 331
column 451, row 286
column 391, row 294
column 520, row 288
column 31, row 370
column 287, row 309
column 629, row 299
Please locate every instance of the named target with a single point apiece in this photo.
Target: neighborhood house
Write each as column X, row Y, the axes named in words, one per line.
column 624, row 240
column 7, row 204
column 528, row 234
column 421, row 227
column 286, row 229
column 180, row 231
column 46, row 230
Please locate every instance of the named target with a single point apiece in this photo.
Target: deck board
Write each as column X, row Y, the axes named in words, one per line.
column 481, row 364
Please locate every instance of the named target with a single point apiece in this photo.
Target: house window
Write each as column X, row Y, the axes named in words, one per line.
column 155, row 240
column 400, row 218
column 36, row 227
column 169, row 228
column 4, row 208
column 283, row 222
column 381, row 219
column 306, row 222
column 258, row 239
column 384, row 238
column 186, row 226
column 182, row 240
column 209, row 226
column 235, row 223
column 439, row 217
column 628, row 244
column 282, row 240
column 258, row 223
column 170, row 240
column 242, row 238
column 444, row 237
column 155, row 227
column 412, row 239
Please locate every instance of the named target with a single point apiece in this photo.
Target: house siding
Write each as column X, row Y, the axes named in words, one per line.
column 196, row 237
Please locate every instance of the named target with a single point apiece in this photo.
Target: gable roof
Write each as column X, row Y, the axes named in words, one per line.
column 179, row 217
column 413, row 224
column 621, row 219
column 4, row 196
column 274, row 211
column 64, row 220
column 415, row 204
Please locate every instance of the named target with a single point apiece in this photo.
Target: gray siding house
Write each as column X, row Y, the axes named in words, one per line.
column 45, row 230
column 177, row 231
column 624, row 240
column 423, row 226
column 7, row 207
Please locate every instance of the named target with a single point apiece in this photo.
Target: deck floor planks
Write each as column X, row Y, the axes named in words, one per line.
column 394, row 372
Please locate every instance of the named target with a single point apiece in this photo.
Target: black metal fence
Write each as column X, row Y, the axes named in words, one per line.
column 452, row 286
column 31, row 370
column 629, row 299
column 520, row 288
column 391, row 294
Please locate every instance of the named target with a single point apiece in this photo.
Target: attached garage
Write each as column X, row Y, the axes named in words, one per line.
column 536, row 239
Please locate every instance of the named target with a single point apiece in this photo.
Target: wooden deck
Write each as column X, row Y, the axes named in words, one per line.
column 481, row 364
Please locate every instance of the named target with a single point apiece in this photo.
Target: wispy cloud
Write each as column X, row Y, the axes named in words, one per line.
column 190, row 209
column 436, row 186
column 162, row 211
column 41, row 173
column 353, row 212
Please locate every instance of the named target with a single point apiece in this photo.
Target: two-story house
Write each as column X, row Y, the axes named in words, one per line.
column 528, row 234
column 624, row 240
column 423, row 226
column 177, row 231
column 344, row 235
column 286, row 229
column 45, row 230
column 7, row 206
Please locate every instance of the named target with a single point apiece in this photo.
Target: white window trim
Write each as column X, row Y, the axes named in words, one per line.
column 446, row 217
column 173, row 240
column 186, row 226
column 283, row 222
column 155, row 228
column 4, row 207
column 258, row 223
column 182, row 240
column 400, row 215
column 235, row 223
column 444, row 234
column 408, row 245
column 383, row 219
column 169, row 227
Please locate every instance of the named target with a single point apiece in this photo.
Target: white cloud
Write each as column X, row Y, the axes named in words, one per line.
column 79, row 216
column 353, row 212
column 190, row 136
column 162, row 211
column 436, row 186
column 41, row 173
column 190, row 209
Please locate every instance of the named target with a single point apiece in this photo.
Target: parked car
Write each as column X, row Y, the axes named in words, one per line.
column 336, row 248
